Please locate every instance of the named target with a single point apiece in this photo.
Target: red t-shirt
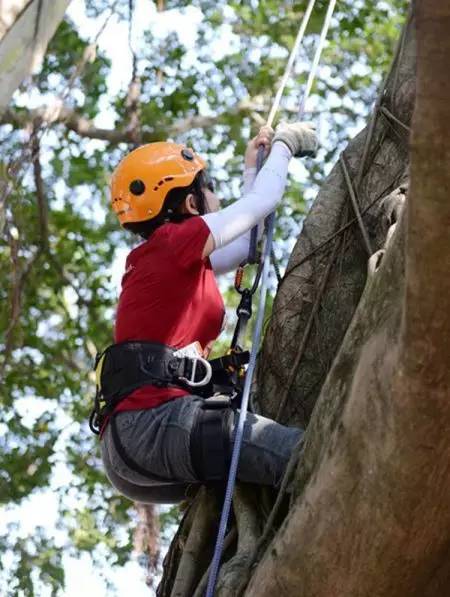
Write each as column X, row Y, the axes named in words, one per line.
column 169, row 295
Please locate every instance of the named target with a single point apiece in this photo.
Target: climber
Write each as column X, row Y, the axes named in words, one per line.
column 160, row 434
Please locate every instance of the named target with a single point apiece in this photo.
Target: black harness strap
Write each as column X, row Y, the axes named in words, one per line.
column 230, row 362
column 128, row 365
column 210, row 442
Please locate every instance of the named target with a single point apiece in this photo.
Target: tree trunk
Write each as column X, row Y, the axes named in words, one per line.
column 26, row 27
column 371, row 516
column 364, row 358
column 326, row 272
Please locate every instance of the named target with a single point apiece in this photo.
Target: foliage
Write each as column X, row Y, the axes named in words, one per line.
column 64, row 267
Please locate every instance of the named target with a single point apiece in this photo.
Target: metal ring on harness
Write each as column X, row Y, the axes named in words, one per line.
column 208, row 373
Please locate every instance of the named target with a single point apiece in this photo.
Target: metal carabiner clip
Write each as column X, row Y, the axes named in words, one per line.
column 208, row 373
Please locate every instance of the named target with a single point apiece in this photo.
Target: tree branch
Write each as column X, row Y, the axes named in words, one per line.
column 198, row 547
column 132, row 103
column 20, row 272
column 232, row 572
column 19, row 277
column 84, row 127
column 23, row 45
column 39, row 188
column 146, row 538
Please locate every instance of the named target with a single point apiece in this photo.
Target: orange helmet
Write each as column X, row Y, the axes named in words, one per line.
column 141, row 181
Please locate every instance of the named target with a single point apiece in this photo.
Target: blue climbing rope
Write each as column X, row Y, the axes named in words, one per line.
column 269, row 230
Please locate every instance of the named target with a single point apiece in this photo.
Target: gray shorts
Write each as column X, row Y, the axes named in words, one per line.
column 159, row 441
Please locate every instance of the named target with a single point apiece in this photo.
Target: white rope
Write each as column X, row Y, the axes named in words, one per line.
column 316, row 59
column 290, row 64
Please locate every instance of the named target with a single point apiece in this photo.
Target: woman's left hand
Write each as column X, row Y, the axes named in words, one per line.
column 264, row 138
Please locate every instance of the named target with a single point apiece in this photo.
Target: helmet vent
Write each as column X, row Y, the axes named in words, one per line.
column 137, row 187
column 162, row 181
column 187, row 154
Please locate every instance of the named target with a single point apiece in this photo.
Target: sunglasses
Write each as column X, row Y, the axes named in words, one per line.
column 208, row 182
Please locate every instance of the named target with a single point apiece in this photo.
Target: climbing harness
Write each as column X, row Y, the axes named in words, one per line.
column 262, row 274
column 126, row 366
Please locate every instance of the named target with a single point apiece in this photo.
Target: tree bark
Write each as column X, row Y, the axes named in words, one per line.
column 371, row 515
column 25, row 30
column 326, row 291
column 369, row 511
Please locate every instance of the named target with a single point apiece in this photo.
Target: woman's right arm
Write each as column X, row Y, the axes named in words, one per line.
column 235, row 220
column 229, row 257
column 299, row 139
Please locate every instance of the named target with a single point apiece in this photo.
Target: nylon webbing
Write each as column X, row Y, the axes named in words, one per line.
column 269, row 229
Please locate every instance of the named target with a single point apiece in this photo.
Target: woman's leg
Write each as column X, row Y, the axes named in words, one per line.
column 177, row 443
column 171, row 493
column 156, row 441
column 266, row 449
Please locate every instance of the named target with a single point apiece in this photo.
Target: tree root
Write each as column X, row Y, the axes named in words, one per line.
column 172, row 558
column 247, row 520
column 228, row 542
column 205, row 505
column 198, row 548
column 391, row 209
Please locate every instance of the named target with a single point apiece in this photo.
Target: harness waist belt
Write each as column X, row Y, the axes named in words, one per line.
column 126, row 366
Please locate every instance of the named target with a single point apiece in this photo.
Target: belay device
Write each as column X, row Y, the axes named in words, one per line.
column 244, row 309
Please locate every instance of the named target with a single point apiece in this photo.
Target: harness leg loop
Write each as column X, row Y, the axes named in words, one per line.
column 210, row 442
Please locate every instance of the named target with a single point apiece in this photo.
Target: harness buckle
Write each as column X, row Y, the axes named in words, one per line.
column 208, row 372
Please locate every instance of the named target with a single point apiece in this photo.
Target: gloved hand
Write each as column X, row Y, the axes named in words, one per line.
column 300, row 137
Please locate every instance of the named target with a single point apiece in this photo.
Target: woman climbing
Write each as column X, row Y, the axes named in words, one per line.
column 158, row 435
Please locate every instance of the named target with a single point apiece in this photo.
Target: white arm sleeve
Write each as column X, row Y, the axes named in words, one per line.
column 248, row 180
column 227, row 258
column 230, row 225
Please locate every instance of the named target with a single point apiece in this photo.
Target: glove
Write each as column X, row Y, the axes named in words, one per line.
column 300, row 137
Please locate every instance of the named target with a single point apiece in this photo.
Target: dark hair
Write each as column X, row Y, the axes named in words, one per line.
column 173, row 201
